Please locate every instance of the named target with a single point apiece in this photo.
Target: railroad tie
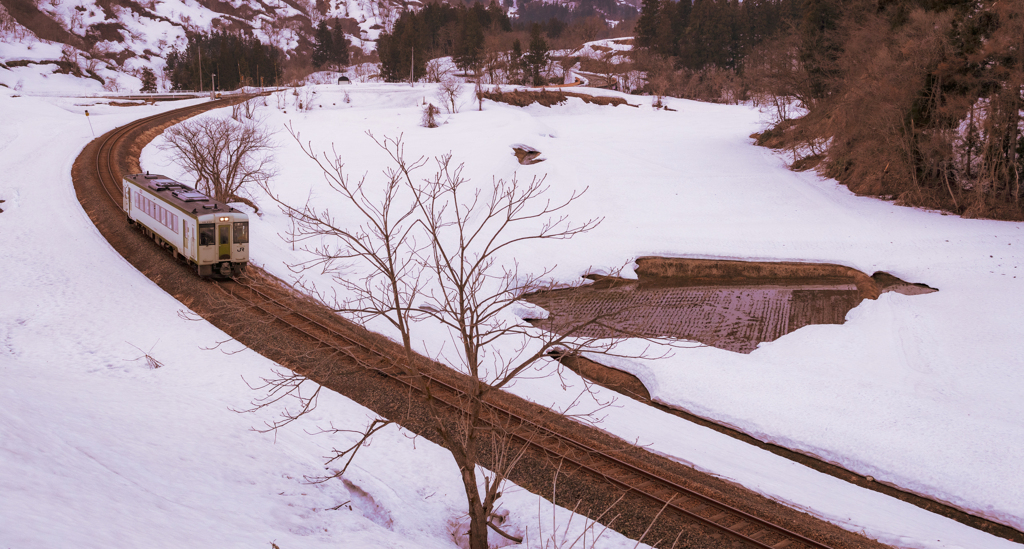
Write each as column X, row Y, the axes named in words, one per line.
column 719, row 517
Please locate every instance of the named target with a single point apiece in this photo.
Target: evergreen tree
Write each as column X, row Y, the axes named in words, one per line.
column 148, row 80
column 709, row 36
column 405, row 46
column 235, row 59
column 515, row 62
column 680, row 21
column 323, row 45
column 646, row 30
column 670, row 27
column 339, row 47
column 821, row 45
column 537, row 56
column 470, row 41
column 499, row 19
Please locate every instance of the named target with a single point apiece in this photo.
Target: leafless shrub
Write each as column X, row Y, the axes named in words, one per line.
column 224, row 156
column 430, row 113
column 776, row 78
column 556, row 539
column 437, row 71
column 246, row 109
column 75, row 21
column 112, row 85
column 710, row 83
column 365, row 72
column 69, row 54
column 448, row 92
column 10, row 29
column 304, row 97
column 148, row 358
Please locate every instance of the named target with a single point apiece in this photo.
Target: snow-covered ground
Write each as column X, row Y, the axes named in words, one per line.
column 918, row 391
column 128, row 38
column 99, row 450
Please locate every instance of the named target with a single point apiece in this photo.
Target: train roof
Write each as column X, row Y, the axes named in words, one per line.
column 184, row 197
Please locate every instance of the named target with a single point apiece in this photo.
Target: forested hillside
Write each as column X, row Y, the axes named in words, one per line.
column 918, row 100
column 504, row 46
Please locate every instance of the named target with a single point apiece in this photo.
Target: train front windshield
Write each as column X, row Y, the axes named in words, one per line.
column 241, row 235
column 207, row 235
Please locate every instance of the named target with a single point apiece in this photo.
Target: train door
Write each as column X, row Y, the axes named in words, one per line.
column 186, row 242
column 126, row 197
column 224, row 241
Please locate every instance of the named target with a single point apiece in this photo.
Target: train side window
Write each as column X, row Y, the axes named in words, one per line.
column 241, row 235
column 206, row 235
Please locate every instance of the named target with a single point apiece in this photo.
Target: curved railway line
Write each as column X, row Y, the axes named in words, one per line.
column 700, row 510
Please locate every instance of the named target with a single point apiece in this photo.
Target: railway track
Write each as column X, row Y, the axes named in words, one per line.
column 742, row 526
column 631, row 476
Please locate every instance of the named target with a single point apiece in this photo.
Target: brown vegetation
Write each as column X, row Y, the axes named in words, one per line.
column 522, row 98
column 916, row 100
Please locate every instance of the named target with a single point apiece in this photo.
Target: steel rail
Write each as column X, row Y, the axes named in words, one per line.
column 105, row 158
column 745, row 518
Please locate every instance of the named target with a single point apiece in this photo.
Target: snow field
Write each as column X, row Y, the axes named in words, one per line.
column 918, row 391
column 99, row 450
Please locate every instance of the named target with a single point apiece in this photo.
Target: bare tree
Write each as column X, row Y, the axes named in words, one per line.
column 777, row 79
column 448, row 93
column 10, row 29
column 468, row 230
column 226, row 157
column 437, row 249
column 436, row 71
column 111, row 85
column 246, row 109
column 304, row 98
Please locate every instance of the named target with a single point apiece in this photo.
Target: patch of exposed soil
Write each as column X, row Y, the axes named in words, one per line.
column 521, row 98
column 732, row 305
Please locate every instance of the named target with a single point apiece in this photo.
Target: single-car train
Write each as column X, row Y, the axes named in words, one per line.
column 211, row 236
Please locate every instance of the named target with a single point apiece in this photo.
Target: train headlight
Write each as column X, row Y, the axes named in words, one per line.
column 224, row 219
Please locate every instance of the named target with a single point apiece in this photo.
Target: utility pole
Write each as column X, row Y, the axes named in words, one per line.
column 200, row 50
column 412, row 66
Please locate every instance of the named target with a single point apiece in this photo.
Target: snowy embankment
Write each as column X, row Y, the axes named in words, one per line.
column 99, row 450
column 920, row 391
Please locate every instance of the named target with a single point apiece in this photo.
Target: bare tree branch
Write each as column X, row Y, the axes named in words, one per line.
column 224, row 156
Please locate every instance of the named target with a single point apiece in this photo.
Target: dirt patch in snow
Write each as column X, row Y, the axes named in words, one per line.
column 732, row 305
column 548, row 98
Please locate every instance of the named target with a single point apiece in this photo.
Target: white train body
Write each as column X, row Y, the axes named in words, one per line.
column 212, row 236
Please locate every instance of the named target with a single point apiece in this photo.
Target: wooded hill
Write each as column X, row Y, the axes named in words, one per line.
column 918, row 100
column 484, row 38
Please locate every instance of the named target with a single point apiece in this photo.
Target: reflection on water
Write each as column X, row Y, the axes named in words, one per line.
column 735, row 317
